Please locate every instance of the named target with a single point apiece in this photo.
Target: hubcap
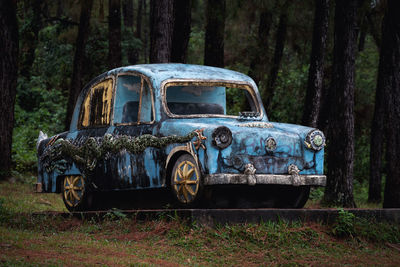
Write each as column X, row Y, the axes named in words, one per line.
column 74, row 188
column 186, row 181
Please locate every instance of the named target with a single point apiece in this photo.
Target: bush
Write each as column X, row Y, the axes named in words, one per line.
column 47, row 115
column 344, row 225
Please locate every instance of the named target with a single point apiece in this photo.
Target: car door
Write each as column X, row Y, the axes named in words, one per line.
column 95, row 121
column 134, row 117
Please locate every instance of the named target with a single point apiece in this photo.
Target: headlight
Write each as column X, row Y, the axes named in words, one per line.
column 315, row 140
column 222, row 137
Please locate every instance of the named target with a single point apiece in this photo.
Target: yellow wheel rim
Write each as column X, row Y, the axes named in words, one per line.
column 186, row 181
column 74, row 188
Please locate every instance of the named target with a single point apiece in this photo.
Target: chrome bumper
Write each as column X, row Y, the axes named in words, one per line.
column 253, row 179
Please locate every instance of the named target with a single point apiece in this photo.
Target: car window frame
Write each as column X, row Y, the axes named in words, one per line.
column 143, row 78
column 199, row 82
column 94, row 84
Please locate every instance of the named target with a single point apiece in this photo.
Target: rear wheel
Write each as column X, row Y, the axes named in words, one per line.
column 76, row 194
column 186, row 183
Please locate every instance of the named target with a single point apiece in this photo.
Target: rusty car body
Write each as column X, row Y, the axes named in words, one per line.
column 183, row 128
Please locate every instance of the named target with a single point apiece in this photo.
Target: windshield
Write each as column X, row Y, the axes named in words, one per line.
column 220, row 99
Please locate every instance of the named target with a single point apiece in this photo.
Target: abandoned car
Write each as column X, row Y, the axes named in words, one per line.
column 196, row 131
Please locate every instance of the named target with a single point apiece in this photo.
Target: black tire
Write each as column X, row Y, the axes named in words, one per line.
column 76, row 193
column 186, row 182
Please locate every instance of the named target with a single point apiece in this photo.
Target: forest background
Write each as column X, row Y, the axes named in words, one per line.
column 316, row 63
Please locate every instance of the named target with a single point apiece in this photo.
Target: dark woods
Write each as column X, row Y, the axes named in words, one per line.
column 328, row 64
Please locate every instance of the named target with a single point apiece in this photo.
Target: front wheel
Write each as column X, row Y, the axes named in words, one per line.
column 75, row 193
column 186, row 184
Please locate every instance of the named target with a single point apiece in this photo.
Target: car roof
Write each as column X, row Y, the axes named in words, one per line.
column 165, row 71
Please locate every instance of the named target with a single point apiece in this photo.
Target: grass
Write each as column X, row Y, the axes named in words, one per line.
column 29, row 240
column 360, row 198
column 125, row 242
column 20, row 197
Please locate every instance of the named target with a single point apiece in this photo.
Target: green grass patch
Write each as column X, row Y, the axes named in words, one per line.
column 124, row 242
column 20, row 197
column 28, row 239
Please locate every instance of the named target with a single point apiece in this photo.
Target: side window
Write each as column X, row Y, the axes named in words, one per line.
column 96, row 107
column 146, row 112
column 133, row 102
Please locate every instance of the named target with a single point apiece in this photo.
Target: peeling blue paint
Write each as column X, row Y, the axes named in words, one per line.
column 147, row 170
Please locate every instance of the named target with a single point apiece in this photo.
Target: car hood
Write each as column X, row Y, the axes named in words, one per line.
column 247, row 136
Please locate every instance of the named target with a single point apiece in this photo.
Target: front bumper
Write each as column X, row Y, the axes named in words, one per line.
column 280, row 179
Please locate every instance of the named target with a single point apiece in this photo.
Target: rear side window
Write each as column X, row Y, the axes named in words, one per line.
column 96, row 107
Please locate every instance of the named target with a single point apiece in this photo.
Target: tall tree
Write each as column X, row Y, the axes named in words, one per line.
column 389, row 80
column 127, row 10
column 30, row 38
column 377, row 136
column 281, row 33
column 133, row 52
column 377, row 143
column 8, row 81
column 146, row 50
column 76, row 81
column 181, row 32
column 114, row 34
column 257, row 63
column 316, row 72
column 339, row 188
column 161, row 27
column 215, row 29
column 140, row 10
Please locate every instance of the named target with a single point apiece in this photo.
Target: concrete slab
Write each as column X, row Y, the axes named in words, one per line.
column 213, row 217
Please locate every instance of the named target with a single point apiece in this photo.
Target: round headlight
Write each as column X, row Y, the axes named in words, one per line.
column 315, row 140
column 222, row 137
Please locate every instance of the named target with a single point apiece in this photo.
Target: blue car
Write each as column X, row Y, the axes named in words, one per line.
column 200, row 132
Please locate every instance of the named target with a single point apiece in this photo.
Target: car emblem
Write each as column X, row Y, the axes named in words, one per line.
column 270, row 144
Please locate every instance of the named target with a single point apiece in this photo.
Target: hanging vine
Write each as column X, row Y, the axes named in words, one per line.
column 85, row 156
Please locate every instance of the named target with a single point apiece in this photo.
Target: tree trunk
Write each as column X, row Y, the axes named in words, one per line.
column 268, row 92
column 377, row 140
column 114, row 34
column 146, row 50
column 76, row 81
column 215, row 29
column 140, row 10
column 181, row 32
column 374, row 30
column 339, row 188
column 363, row 33
column 133, row 53
column 30, row 39
column 101, row 10
column 257, row 64
column 389, row 79
column 60, row 8
column 8, row 81
column 161, row 27
column 127, row 10
column 316, row 72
